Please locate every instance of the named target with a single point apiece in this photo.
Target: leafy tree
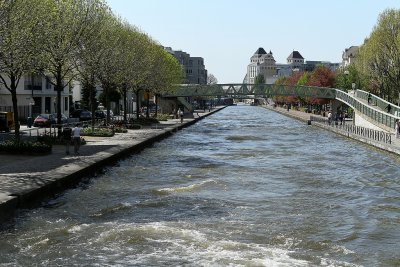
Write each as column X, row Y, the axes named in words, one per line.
column 211, row 79
column 259, row 79
column 294, row 78
column 303, row 80
column 20, row 45
column 89, row 53
column 67, row 22
column 379, row 56
column 322, row 77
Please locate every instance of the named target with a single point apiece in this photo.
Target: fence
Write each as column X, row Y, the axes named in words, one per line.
column 370, row 111
column 374, row 135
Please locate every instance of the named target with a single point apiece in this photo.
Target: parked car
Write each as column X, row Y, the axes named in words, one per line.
column 64, row 119
column 100, row 114
column 81, row 114
column 43, row 120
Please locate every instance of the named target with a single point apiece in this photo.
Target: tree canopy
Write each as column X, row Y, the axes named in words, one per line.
column 79, row 40
column 379, row 56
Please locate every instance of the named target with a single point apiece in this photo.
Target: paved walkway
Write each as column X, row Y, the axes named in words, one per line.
column 23, row 177
column 394, row 147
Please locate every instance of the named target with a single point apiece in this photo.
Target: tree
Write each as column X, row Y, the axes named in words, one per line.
column 20, row 45
column 89, row 54
column 379, row 56
column 67, row 23
column 322, row 77
column 211, row 79
column 259, row 79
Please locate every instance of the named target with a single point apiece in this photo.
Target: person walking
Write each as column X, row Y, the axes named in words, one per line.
column 180, row 112
column 329, row 117
column 369, row 98
column 76, row 135
column 389, row 108
column 67, row 138
column 397, row 128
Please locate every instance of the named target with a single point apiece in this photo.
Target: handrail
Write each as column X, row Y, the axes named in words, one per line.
column 371, row 134
column 375, row 114
column 379, row 102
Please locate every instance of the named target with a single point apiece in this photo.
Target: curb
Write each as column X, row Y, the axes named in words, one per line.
column 32, row 198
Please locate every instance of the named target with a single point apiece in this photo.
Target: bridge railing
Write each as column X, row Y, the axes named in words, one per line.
column 370, row 134
column 378, row 102
column 371, row 112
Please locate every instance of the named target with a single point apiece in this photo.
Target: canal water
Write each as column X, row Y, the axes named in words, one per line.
column 243, row 187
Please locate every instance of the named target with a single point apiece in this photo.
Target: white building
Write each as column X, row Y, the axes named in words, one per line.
column 35, row 95
column 261, row 63
column 349, row 54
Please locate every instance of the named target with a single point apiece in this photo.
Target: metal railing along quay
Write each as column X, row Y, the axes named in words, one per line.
column 371, row 134
column 370, row 111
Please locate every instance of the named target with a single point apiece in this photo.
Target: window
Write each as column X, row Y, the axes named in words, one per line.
column 33, row 82
column 66, row 103
column 48, row 84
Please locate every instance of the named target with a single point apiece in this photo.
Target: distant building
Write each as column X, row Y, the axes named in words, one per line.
column 295, row 60
column 349, row 54
column 261, row 63
column 311, row 65
column 193, row 68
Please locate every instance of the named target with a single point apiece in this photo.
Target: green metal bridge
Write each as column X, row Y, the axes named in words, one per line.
column 250, row 91
column 375, row 112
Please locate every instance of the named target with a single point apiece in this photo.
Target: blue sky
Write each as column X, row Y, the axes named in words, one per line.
column 226, row 33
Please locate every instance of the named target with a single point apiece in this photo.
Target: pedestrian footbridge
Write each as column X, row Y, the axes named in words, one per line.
column 374, row 112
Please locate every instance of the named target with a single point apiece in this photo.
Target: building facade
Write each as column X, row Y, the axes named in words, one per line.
column 35, row 95
column 194, row 70
column 295, row 60
column 349, row 54
column 261, row 63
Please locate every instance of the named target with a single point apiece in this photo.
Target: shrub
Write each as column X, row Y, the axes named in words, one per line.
column 134, row 126
column 144, row 121
column 163, row 117
column 103, row 132
column 25, row 147
column 120, row 130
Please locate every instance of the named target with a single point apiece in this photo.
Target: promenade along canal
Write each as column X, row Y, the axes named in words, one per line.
column 243, row 187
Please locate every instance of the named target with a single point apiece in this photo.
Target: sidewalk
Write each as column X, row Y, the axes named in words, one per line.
column 394, row 147
column 27, row 179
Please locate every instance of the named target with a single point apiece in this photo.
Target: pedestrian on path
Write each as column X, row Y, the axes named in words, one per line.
column 389, row 108
column 369, row 98
column 329, row 117
column 67, row 138
column 76, row 135
column 181, row 115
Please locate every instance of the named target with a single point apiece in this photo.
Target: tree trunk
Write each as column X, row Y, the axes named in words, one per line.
column 13, row 88
column 125, row 103
column 137, row 103
column 156, row 96
column 59, row 88
column 92, row 98
column 107, row 104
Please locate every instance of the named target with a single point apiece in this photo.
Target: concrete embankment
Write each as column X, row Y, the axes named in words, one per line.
column 393, row 147
column 27, row 180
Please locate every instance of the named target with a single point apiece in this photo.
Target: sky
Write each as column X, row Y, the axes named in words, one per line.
column 226, row 33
